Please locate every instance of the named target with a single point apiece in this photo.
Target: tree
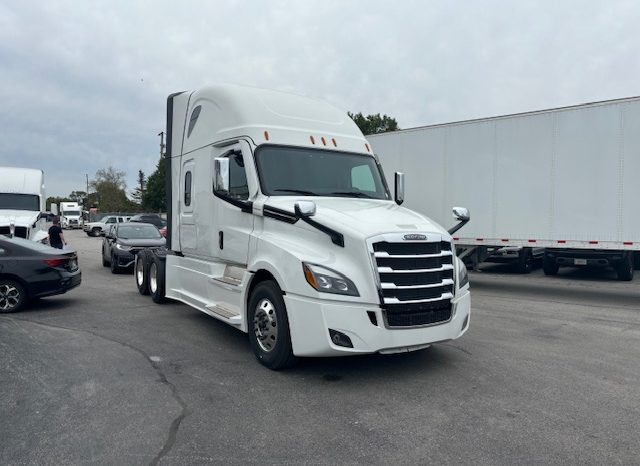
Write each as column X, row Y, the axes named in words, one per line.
column 78, row 196
column 373, row 124
column 138, row 193
column 155, row 196
column 109, row 186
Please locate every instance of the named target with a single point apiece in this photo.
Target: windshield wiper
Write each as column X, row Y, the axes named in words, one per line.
column 297, row 191
column 352, row 193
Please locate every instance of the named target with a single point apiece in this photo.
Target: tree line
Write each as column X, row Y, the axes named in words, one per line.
column 108, row 189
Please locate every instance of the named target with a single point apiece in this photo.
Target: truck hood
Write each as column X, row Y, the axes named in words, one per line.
column 362, row 217
column 21, row 218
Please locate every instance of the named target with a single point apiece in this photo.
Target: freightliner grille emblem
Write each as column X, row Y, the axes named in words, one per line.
column 414, row 237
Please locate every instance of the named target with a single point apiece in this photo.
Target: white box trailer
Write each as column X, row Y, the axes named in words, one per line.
column 561, row 178
column 280, row 224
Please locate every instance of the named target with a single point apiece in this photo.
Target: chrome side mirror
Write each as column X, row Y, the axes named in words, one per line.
column 221, row 175
column 461, row 214
column 399, row 188
column 305, row 209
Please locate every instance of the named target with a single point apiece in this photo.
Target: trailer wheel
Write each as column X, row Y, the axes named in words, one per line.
column 156, row 280
column 525, row 261
column 269, row 332
column 625, row 268
column 12, row 296
column 549, row 266
column 142, row 272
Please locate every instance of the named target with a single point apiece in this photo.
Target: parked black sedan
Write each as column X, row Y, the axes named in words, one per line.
column 29, row 269
column 123, row 240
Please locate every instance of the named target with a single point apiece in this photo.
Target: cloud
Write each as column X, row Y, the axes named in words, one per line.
column 84, row 84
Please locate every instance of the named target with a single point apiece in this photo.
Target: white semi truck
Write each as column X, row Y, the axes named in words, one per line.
column 22, row 201
column 564, row 179
column 281, row 224
column 70, row 215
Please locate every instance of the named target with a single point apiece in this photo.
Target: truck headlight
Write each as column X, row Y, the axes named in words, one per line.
column 122, row 248
column 463, row 275
column 328, row 281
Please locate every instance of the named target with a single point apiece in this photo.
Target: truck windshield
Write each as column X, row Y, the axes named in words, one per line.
column 71, row 213
column 19, row 201
column 286, row 171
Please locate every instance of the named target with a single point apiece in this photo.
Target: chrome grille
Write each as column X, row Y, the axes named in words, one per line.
column 416, row 280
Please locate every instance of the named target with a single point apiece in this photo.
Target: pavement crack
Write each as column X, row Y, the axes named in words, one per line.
column 184, row 409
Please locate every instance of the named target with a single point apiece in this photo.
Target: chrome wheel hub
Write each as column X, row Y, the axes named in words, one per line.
column 153, row 277
column 265, row 325
column 139, row 272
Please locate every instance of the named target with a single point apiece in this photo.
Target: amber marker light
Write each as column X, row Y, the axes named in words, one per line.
column 324, row 141
column 333, row 140
column 367, row 146
column 311, row 279
column 266, row 135
column 313, row 141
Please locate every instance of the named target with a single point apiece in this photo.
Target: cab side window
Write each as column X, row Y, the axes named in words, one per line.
column 238, row 187
column 111, row 220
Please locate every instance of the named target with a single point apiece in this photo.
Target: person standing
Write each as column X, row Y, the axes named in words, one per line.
column 56, row 237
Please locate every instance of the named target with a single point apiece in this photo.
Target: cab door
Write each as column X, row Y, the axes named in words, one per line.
column 234, row 227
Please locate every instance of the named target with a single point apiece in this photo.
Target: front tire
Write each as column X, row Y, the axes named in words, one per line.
column 269, row 332
column 95, row 232
column 114, row 264
column 142, row 272
column 12, row 296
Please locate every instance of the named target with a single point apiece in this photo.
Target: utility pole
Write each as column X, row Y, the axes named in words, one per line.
column 87, row 176
column 161, row 134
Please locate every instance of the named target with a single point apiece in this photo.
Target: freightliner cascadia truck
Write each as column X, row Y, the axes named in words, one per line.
column 22, row 201
column 281, row 224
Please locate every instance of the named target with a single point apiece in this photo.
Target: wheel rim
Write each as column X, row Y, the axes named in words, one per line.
column 265, row 325
column 139, row 272
column 9, row 297
column 153, row 278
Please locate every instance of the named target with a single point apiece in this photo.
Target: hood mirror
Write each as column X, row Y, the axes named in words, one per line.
column 461, row 214
column 305, row 209
column 399, row 188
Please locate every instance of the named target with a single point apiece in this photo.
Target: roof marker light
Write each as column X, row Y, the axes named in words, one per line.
column 324, row 141
column 313, row 141
column 333, row 140
column 367, row 146
column 266, row 135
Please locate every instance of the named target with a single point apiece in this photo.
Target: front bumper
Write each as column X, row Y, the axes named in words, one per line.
column 310, row 321
column 123, row 258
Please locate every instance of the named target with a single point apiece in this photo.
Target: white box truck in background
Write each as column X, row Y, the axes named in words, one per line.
column 70, row 215
column 22, row 201
column 564, row 179
column 280, row 223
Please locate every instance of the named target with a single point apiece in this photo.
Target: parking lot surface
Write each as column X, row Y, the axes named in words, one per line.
column 549, row 372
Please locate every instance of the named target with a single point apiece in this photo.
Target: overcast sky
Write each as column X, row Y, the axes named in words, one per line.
column 83, row 84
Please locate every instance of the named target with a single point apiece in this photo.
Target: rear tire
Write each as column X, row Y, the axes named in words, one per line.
column 156, row 280
column 12, row 296
column 269, row 332
column 141, row 272
column 625, row 268
column 549, row 266
column 525, row 261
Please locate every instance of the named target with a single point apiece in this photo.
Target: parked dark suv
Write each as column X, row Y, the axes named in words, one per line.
column 153, row 219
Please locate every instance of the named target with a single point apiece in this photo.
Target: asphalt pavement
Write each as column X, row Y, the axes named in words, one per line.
column 549, row 373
